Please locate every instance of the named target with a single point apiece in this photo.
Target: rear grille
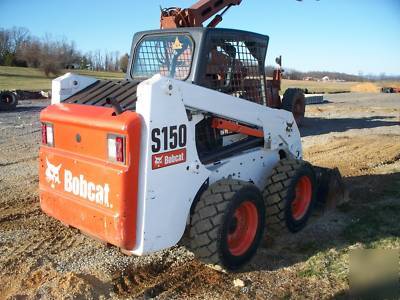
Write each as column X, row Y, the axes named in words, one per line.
column 124, row 91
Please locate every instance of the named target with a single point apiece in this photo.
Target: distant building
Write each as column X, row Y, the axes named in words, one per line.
column 73, row 66
column 325, row 78
column 89, row 67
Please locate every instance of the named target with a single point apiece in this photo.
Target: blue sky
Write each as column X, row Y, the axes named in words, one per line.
column 334, row 35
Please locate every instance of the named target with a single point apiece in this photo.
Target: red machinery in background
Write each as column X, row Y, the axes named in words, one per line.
column 174, row 17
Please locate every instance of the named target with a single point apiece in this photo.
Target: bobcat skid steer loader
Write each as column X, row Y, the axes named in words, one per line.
column 185, row 141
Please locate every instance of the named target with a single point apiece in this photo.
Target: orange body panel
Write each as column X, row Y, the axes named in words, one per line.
column 78, row 184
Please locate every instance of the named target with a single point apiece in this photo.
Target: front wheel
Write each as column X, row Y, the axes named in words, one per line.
column 294, row 101
column 228, row 224
column 289, row 195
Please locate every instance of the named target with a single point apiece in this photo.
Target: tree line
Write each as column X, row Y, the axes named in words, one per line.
column 314, row 75
column 18, row 47
column 318, row 75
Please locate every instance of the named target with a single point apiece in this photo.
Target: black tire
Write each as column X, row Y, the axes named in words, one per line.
column 214, row 220
column 280, row 196
column 8, row 100
column 294, row 101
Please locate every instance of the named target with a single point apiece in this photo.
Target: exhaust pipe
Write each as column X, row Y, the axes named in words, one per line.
column 114, row 103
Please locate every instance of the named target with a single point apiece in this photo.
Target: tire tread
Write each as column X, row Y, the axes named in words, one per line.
column 203, row 237
column 276, row 191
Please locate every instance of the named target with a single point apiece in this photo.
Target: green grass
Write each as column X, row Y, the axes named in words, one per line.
column 373, row 225
column 35, row 80
column 331, row 264
column 102, row 74
column 376, row 227
column 319, row 86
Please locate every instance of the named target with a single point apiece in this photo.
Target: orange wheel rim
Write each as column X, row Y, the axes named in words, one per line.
column 303, row 198
column 243, row 228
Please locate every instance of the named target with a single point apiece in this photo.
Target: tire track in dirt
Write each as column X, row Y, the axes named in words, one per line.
column 28, row 159
column 11, row 217
column 164, row 281
column 356, row 155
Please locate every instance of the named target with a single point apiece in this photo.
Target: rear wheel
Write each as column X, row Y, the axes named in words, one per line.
column 294, row 101
column 289, row 195
column 227, row 224
column 8, row 100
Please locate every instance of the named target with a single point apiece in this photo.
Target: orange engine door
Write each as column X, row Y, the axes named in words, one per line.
column 80, row 182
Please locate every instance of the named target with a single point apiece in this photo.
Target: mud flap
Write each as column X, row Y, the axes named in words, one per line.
column 331, row 190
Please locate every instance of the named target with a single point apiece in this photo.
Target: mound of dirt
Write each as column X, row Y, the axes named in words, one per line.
column 367, row 87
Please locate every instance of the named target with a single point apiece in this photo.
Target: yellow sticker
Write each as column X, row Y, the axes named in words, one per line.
column 177, row 44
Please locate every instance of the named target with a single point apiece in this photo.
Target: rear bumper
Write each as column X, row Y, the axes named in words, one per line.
column 101, row 224
column 105, row 204
column 91, row 193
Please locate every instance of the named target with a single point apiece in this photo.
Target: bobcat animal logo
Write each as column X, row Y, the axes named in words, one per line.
column 289, row 126
column 52, row 174
column 158, row 160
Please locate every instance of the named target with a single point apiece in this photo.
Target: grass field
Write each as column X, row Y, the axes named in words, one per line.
column 319, row 86
column 34, row 79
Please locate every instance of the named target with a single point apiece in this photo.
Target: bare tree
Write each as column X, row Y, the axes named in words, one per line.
column 123, row 62
column 51, row 56
column 10, row 42
column 5, row 44
column 97, row 60
column 48, row 54
column 19, row 35
column 88, row 61
column 30, row 51
column 116, row 60
column 18, row 47
column 106, row 60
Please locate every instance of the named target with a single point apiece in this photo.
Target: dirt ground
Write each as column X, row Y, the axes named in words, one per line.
column 40, row 258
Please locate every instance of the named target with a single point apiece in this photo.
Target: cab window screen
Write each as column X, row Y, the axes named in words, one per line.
column 236, row 67
column 168, row 55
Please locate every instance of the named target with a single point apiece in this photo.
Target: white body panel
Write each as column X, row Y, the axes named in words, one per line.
column 65, row 86
column 252, row 166
column 165, row 194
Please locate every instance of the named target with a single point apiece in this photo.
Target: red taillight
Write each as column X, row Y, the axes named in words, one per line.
column 116, row 148
column 44, row 134
column 47, row 134
column 119, row 146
